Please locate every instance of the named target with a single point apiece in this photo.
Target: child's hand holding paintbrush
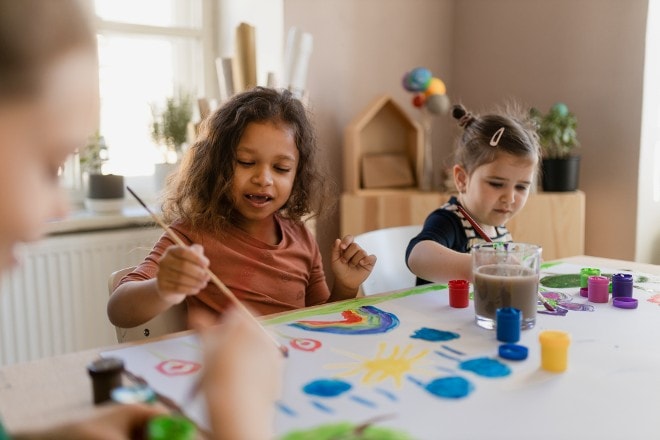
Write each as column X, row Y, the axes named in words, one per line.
column 242, row 376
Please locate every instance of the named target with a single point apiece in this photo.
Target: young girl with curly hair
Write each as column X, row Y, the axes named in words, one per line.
column 238, row 201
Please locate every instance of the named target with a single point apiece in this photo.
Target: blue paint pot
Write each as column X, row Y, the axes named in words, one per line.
column 508, row 323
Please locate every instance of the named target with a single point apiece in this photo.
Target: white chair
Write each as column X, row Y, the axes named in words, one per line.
column 389, row 245
column 171, row 321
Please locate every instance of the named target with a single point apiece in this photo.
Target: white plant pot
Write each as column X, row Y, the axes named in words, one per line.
column 161, row 172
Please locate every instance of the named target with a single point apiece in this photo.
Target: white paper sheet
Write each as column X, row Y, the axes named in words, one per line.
column 610, row 390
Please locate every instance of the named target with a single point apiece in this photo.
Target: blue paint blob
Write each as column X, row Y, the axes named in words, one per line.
column 486, row 367
column 452, row 387
column 327, row 387
column 285, row 409
column 434, row 335
column 387, row 394
column 453, row 350
column 363, row 401
column 322, row 407
column 445, row 355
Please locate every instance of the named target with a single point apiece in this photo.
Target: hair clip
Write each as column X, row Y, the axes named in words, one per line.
column 465, row 120
column 496, row 137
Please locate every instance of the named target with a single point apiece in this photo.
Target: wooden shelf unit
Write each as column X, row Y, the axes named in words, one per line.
column 556, row 221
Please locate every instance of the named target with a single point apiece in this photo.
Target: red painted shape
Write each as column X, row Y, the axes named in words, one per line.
column 306, row 344
column 175, row 367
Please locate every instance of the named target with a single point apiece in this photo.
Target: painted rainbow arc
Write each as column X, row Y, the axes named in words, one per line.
column 365, row 320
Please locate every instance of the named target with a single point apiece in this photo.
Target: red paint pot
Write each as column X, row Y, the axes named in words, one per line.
column 459, row 294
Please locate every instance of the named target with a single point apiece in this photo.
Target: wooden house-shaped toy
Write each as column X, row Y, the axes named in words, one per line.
column 382, row 146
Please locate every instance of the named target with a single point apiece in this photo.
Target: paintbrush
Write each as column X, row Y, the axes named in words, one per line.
column 486, row 238
column 223, row 288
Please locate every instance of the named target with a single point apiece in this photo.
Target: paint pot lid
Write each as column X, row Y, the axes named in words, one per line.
column 171, row 428
column 133, row 394
column 459, row 284
column 622, row 277
column 625, row 302
column 597, row 279
column 513, row 352
column 109, row 365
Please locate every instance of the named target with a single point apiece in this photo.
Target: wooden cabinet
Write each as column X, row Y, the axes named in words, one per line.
column 553, row 220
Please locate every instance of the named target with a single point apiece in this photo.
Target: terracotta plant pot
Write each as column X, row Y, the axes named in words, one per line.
column 560, row 175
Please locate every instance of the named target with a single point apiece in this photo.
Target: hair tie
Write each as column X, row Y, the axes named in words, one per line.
column 496, row 137
column 465, row 120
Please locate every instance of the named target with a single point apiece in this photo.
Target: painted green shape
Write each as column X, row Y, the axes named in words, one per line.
column 550, row 264
column 561, row 281
column 346, row 431
column 340, row 306
column 564, row 281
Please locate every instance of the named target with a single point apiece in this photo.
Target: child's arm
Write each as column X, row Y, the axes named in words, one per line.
column 434, row 262
column 181, row 272
column 109, row 422
column 351, row 265
column 242, row 378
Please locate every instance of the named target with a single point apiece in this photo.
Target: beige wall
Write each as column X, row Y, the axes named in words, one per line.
column 361, row 50
column 587, row 53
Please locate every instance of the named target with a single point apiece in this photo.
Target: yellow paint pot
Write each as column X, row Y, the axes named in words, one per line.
column 554, row 350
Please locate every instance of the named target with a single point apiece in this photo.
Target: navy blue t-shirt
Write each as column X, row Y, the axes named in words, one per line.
column 448, row 227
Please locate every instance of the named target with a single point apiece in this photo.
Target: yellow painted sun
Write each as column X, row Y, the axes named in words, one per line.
column 381, row 367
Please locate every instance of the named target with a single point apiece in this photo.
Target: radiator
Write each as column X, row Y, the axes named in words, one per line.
column 54, row 302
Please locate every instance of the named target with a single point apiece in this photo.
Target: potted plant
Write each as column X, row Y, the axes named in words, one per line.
column 560, row 167
column 169, row 130
column 105, row 192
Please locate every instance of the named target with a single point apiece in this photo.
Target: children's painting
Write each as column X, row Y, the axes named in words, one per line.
column 409, row 366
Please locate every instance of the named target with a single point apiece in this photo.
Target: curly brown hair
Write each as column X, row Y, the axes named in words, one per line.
column 200, row 193
column 517, row 137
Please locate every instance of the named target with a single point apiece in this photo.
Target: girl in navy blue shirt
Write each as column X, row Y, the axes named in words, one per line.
column 496, row 161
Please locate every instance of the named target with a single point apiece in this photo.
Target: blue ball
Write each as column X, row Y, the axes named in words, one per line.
column 419, row 79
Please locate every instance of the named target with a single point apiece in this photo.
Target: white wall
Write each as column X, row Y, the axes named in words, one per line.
column 586, row 53
column 362, row 48
column 648, row 206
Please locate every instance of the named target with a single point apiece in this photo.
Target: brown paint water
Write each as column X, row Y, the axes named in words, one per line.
column 505, row 285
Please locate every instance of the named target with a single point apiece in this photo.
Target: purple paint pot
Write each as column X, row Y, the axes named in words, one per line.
column 598, row 289
column 622, row 285
column 584, row 291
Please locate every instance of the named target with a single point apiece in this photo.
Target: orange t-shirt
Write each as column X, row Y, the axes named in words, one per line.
column 267, row 278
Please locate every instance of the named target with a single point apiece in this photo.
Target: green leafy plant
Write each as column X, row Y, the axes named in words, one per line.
column 94, row 154
column 170, row 126
column 556, row 130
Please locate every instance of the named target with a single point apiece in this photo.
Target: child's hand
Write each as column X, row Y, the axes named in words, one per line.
column 241, row 379
column 182, row 272
column 108, row 422
column 350, row 263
